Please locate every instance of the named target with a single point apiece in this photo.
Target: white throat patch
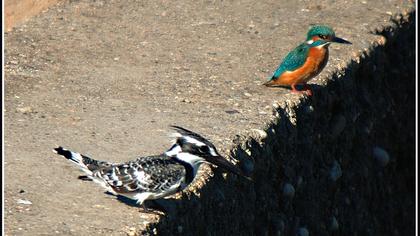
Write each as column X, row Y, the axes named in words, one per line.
column 190, row 158
column 173, row 151
column 193, row 160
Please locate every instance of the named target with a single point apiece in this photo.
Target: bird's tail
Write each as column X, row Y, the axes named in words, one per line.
column 85, row 163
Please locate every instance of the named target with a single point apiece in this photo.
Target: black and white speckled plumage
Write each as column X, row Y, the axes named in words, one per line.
column 153, row 177
column 153, row 173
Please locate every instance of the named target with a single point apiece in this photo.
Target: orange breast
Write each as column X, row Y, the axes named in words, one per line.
column 316, row 61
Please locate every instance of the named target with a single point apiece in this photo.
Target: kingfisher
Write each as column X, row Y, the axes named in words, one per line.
column 306, row 61
column 156, row 176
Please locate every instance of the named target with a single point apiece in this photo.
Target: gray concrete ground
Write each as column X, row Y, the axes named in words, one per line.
column 107, row 78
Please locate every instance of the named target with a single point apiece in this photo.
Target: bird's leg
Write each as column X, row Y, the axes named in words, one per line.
column 148, row 211
column 141, row 203
column 307, row 90
column 294, row 90
column 145, row 210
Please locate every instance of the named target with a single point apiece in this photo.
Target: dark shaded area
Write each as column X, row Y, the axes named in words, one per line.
column 375, row 108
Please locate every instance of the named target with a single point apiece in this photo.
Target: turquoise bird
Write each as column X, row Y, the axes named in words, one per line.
column 306, row 61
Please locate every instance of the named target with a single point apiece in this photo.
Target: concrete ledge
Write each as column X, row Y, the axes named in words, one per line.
column 107, row 78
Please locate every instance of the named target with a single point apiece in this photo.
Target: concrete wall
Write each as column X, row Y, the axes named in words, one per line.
column 340, row 163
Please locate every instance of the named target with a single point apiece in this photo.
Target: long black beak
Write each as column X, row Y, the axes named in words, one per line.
column 226, row 165
column 339, row 40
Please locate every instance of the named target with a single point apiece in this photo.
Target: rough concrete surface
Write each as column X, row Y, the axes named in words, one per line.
column 107, row 78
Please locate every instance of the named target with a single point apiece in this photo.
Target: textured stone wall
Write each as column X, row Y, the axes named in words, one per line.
column 339, row 163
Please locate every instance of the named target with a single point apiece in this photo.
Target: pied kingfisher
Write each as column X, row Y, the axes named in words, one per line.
column 154, row 177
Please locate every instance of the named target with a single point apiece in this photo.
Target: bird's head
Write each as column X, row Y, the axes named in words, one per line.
column 192, row 148
column 321, row 35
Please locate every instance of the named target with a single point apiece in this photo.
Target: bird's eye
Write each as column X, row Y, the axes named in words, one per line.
column 204, row 149
column 322, row 36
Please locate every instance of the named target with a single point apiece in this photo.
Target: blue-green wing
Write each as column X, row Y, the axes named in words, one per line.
column 293, row 60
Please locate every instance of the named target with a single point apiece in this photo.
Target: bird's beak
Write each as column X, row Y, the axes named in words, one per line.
column 220, row 161
column 339, row 40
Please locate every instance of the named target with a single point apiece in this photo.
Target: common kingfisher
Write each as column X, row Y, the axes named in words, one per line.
column 306, row 61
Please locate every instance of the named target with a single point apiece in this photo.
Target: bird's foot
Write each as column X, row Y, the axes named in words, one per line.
column 144, row 209
column 307, row 90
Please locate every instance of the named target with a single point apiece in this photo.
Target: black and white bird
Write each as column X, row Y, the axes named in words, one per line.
column 154, row 177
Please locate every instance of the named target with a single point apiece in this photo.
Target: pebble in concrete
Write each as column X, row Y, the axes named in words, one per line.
column 24, row 110
column 338, row 125
column 309, row 109
column 299, row 181
column 334, row 224
column 335, row 172
column 288, row 190
column 219, row 196
column 180, row 229
column 261, row 133
column 247, row 166
column 24, row 202
column 381, row 156
column 278, row 225
column 302, row 232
